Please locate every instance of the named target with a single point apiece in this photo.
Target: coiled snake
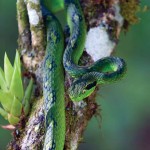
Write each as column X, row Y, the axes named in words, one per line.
column 103, row 71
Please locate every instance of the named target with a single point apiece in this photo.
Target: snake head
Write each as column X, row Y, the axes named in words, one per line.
column 81, row 88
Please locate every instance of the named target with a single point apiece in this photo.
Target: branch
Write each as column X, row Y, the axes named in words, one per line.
column 104, row 21
column 23, row 26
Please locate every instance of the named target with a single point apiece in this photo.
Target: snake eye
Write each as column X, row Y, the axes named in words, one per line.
column 91, row 85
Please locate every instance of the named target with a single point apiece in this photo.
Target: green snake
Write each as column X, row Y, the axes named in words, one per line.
column 103, row 71
column 53, row 85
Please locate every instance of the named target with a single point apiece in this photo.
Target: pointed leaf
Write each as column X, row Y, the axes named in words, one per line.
column 16, row 108
column 27, row 97
column 28, row 93
column 17, row 62
column 26, row 108
column 16, row 86
column 3, row 85
column 6, row 100
column 8, row 70
column 13, row 120
column 3, row 113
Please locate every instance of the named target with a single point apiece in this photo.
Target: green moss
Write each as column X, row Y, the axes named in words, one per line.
column 35, row 6
column 22, row 16
column 129, row 10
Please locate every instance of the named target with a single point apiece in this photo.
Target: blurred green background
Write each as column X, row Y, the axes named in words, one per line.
column 125, row 105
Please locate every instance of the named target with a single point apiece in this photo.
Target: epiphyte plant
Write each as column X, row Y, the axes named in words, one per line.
column 15, row 101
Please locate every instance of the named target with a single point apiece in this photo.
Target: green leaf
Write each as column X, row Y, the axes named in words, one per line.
column 17, row 62
column 3, row 85
column 8, row 70
column 28, row 92
column 3, row 113
column 13, row 120
column 6, row 100
column 16, row 86
column 54, row 5
column 16, row 108
column 27, row 97
column 26, row 108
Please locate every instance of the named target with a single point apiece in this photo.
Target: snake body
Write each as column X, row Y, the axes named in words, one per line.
column 103, row 71
column 53, row 85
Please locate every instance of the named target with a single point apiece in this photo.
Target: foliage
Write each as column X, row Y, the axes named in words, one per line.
column 14, row 100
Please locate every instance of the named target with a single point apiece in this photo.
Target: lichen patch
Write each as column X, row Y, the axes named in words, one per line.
column 98, row 44
column 33, row 17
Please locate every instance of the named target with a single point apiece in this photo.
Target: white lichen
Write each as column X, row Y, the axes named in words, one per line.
column 33, row 17
column 98, row 44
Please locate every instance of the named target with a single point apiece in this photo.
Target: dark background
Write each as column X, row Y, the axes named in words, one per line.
column 125, row 105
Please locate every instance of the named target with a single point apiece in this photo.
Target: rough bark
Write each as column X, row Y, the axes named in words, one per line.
column 104, row 21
